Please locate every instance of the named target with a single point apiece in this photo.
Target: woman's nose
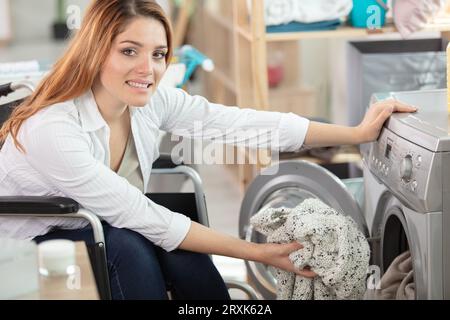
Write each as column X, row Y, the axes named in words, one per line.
column 145, row 66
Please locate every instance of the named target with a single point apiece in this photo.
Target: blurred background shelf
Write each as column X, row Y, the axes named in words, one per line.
column 246, row 51
column 346, row 32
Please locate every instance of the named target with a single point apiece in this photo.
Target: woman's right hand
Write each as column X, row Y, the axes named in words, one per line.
column 277, row 255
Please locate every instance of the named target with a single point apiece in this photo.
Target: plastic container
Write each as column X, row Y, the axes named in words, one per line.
column 369, row 14
column 56, row 257
column 275, row 69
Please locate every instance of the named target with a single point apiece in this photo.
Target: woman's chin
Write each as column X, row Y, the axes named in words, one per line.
column 139, row 102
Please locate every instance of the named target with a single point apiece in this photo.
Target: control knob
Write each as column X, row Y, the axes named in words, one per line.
column 406, row 168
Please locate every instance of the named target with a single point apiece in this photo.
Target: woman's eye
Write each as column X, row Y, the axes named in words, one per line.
column 160, row 55
column 129, row 52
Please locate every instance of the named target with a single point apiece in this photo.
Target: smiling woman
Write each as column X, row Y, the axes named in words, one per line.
column 89, row 132
column 134, row 66
column 77, row 70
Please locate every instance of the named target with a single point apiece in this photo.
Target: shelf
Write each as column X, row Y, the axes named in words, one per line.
column 341, row 32
column 347, row 32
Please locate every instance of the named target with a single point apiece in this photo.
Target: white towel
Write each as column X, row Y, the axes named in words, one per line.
column 334, row 248
column 306, row 11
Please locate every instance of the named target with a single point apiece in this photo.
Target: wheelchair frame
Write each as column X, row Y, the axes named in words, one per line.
column 32, row 207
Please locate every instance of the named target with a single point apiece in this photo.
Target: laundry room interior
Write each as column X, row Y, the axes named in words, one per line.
column 276, row 149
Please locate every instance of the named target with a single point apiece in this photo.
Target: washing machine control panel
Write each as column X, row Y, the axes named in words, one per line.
column 408, row 170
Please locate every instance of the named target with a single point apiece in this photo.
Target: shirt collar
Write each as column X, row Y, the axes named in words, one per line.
column 91, row 118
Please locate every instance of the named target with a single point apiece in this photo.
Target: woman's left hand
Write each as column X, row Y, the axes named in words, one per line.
column 378, row 113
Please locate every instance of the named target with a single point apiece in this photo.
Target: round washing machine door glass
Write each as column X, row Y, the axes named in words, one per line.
column 288, row 186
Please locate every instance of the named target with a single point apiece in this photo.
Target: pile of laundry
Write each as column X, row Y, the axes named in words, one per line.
column 333, row 247
column 314, row 15
column 397, row 282
column 305, row 15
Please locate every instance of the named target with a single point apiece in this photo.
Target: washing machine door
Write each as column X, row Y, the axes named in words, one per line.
column 293, row 182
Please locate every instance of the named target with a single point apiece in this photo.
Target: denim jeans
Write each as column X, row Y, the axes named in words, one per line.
column 140, row 270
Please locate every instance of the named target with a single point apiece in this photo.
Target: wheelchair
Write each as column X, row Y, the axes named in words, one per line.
column 191, row 204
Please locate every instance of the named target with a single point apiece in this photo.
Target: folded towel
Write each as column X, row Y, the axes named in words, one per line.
column 305, row 11
column 333, row 247
column 397, row 282
column 301, row 27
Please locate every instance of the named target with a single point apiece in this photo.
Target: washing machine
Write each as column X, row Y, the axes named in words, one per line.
column 401, row 203
column 407, row 191
column 288, row 185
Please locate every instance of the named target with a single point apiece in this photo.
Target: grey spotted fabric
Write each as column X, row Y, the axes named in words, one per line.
column 333, row 247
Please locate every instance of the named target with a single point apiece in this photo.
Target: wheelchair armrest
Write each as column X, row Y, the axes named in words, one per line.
column 165, row 161
column 37, row 205
column 6, row 89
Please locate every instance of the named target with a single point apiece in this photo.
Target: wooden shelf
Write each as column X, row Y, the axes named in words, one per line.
column 341, row 32
column 346, row 32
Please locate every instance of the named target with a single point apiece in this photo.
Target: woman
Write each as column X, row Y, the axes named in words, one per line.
column 99, row 107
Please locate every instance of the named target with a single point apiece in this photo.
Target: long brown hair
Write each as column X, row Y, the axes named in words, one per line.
column 76, row 71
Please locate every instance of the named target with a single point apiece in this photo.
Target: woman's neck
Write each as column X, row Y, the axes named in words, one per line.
column 111, row 109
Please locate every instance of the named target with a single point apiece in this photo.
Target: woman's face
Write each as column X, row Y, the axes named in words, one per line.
column 136, row 63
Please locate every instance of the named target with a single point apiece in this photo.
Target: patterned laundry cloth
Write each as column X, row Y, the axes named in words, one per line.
column 333, row 246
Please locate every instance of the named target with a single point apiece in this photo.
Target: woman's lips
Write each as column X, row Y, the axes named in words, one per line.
column 138, row 84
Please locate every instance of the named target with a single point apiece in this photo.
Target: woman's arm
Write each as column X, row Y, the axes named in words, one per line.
column 59, row 149
column 197, row 118
column 321, row 134
column 205, row 240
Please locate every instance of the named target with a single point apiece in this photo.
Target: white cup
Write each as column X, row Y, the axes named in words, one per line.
column 56, row 257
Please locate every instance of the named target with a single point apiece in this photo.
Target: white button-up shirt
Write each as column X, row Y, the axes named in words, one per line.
column 67, row 154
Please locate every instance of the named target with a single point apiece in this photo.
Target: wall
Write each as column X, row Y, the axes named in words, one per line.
column 315, row 72
column 31, row 21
